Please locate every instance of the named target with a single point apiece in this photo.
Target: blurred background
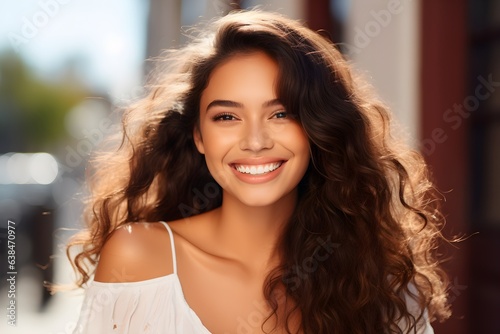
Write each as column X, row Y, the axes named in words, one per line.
column 67, row 66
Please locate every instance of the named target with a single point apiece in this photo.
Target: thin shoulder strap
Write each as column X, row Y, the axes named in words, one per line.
column 172, row 245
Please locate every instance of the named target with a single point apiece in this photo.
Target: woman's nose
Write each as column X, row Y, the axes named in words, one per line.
column 256, row 137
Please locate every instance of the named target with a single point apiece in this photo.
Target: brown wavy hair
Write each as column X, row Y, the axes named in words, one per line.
column 364, row 191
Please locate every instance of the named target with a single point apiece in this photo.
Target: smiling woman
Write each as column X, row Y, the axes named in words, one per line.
column 304, row 214
column 254, row 150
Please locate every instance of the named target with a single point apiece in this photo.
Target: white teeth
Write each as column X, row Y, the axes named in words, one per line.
column 258, row 170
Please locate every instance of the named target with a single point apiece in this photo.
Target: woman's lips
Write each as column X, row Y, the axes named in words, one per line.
column 257, row 173
column 257, row 169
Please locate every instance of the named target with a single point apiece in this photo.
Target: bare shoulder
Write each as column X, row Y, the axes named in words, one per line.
column 135, row 252
column 196, row 229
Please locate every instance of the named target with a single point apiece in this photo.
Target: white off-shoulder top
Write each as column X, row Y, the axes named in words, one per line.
column 155, row 305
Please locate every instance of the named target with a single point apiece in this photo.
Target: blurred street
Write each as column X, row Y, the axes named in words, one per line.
column 68, row 69
column 60, row 315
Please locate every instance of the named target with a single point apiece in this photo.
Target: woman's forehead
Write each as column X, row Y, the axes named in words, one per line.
column 244, row 77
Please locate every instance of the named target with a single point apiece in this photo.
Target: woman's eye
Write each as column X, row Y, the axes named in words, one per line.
column 280, row 114
column 224, row 117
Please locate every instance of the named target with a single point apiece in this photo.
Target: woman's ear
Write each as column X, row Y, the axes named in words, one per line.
column 198, row 141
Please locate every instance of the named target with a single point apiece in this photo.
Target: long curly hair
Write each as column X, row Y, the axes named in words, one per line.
column 366, row 198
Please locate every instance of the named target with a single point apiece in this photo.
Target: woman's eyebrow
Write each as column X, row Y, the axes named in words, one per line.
column 224, row 103
column 234, row 104
column 271, row 103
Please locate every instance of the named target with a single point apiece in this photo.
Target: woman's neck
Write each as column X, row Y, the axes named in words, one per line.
column 251, row 233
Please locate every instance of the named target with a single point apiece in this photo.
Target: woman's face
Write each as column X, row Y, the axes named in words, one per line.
column 253, row 148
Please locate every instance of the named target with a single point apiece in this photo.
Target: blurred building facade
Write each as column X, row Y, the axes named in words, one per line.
column 459, row 87
column 437, row 65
